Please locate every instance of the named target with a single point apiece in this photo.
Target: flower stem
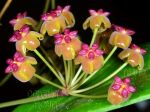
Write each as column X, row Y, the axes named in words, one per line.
column 110, row 54
column 47, row 81
column 76, row 75
column 51, row 61
column 49, row 66
column 6, row 78
column 94, row 37
column 52, row 4
column 88, row 96
column 76, row 81
column 7, row 4
column 104, row 80
column 29, row 100
column 68, row 73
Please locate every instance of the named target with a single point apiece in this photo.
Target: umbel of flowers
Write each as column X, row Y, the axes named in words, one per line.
column 73, row 52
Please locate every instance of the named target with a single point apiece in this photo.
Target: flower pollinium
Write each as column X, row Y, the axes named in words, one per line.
column 121, row 37
column 67, row 44
column 26, row 39
column 57, row 20
column 21, row 20
column 98, row 19
column 134, row 56
column 90, row 58
column 120, row 90
column 20, row 67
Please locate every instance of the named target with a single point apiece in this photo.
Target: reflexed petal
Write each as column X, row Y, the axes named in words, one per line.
column 31, row 60
column 136, row 59
column 31, row 42
column 61, row 21
column 114, row 97
column 68, row 52
column 98, row 62
column 76, row 44
column 36, row 34
column 58, row 49
column 69, row 18
column 25, row 72
column 43, row 28
column 124, row 54
column 52, row 27
column 78, row 59
column 19, row 24
column 95, row 22
column 87, row 65
column 21, row 47
column 86, row 24
column 120, row 40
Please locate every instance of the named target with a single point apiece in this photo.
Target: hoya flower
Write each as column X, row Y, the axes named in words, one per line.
column 121, row 37
column 90, row 58
column 120, row 90
column 26, row 39
column 57, row 20
column 21, row 20
column 67, row 44
column 134, row 56
column 97, row 20
column 21, row 67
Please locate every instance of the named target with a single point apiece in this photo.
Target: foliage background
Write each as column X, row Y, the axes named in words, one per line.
column 132, row 14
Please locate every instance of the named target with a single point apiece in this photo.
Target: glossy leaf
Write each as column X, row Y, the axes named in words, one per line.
column 141, row 79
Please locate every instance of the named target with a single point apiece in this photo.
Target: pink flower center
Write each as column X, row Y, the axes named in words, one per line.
column 13, row 65
column 90, row 53
column 66, row 37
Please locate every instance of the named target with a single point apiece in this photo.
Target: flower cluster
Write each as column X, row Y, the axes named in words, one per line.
column 56, row 23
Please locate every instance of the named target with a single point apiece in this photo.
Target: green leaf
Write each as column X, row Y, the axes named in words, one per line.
column 141, row 79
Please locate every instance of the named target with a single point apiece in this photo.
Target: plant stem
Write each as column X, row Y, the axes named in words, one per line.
column 89, row 77
column 110, row 54
column 6, row 78
column 49, row 66
column 104, row 80
column 5, row 7
column 76, row 81
column 47, row 81
column 68, row 73
column 29, row 100
column 52, row 4
column 51, row 61
column 88, row 96
column 94, row 36
column 76, row 75
column 79, row 83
